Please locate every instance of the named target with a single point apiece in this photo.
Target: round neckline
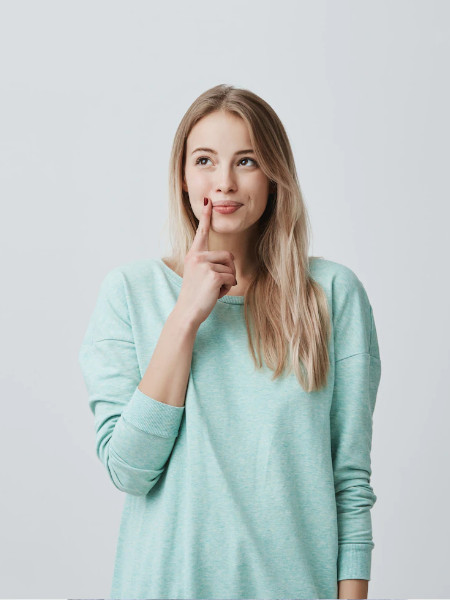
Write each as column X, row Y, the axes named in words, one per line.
column 227, row 299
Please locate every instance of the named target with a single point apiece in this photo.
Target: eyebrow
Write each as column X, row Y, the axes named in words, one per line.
column 214, row 152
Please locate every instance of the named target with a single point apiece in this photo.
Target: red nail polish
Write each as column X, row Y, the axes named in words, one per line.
column 205, row 201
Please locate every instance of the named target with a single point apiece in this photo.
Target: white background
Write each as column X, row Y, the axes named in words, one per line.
column 91, row 94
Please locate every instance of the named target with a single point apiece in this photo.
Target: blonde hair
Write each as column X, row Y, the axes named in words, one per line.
column 285, row 309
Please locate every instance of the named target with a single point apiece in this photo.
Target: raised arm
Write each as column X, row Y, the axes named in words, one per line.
column 136, row 420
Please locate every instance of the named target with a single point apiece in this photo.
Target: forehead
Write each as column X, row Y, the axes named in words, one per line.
column 219, row 130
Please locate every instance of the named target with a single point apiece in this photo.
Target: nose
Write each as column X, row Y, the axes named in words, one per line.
column 226, row 181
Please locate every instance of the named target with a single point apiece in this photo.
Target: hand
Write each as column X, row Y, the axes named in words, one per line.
column 208, row 274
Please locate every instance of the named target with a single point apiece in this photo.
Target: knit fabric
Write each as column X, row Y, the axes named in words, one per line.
column 254, row 488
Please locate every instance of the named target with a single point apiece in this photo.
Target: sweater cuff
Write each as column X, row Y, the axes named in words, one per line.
column 153, row 416
column 354, row 561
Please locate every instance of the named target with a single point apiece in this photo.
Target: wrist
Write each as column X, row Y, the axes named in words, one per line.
column 184, row 320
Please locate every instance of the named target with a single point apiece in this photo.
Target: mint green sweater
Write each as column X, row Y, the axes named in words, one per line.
column 254, row 488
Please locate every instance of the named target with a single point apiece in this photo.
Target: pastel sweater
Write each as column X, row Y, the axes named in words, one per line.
column 254, row 488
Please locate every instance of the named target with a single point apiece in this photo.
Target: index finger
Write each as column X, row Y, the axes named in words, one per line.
column 202, row 234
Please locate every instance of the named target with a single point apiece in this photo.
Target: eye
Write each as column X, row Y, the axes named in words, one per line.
column 201, row 158
column 252, row 159
column 198, row 161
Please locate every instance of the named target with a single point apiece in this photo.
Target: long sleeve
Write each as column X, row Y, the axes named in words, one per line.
column 357, row 377
column 135, row 434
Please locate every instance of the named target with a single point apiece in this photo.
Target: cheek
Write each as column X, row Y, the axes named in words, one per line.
column 190, row 173
column 259, row 190
column 261, row 208
column 261, row 199
column 197, row 178
column 258, row 184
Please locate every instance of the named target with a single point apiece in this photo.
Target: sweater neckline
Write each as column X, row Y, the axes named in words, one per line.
column 227, row 299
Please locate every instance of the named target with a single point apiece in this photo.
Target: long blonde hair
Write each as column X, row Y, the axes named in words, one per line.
column 285, row 309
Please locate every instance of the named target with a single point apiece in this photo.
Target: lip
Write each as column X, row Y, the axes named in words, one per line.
column 227, row 203
column 227, row 210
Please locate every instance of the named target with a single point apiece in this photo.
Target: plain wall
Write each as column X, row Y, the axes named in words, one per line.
column 91, row 94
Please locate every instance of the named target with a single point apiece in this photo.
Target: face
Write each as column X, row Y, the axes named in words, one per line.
column 224, row 172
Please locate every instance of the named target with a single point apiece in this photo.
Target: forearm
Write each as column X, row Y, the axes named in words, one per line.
column 353, row 588
column 167, row 374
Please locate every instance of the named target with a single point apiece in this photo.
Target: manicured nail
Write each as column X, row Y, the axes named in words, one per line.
column 205, row 201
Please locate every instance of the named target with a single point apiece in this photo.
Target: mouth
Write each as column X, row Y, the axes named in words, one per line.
column 226, row 210
column 227, row 203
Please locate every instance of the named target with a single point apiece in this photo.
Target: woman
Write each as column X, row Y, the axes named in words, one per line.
column 244, row 477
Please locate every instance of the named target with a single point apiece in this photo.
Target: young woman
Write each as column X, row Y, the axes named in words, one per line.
column 233, row 383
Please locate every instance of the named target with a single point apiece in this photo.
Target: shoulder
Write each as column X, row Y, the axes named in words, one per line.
column 351, row 310
column 129, row 284
column 130, row 274
column 343, row 287
column 334, row 276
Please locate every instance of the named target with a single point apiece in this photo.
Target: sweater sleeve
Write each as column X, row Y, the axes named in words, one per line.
column 357, row 376
column 135, row 434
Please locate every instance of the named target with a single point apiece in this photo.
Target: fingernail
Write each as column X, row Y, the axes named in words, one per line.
column 205, row 201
